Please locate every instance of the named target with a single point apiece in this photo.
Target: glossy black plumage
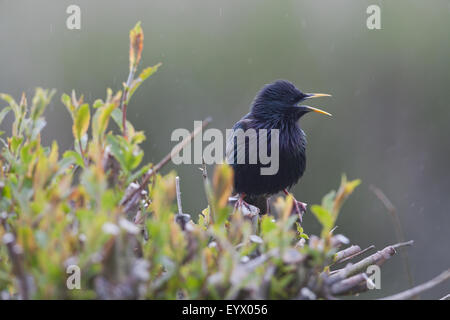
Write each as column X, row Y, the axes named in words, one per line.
column 292, row 163
column 274, row 107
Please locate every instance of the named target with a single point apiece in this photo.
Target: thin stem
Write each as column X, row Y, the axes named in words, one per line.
column 398, row 228
column 403, row 244
column 408, row 294
column 124, row 102
column 357, row 254
column 207, row 186
column 377, row 258
column 82, row 153
column 124, row 117
column 166, row 160
column 178, row 191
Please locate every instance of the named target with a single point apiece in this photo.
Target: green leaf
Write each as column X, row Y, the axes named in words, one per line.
column 138, row 137
column 12, row 103
column 15, row 143
column 147, row 72
column 324, row 216
column 301, row 231
column 3, row 113
column 101, row 119
column 81, row 122
column 268, row 225
column 98, row 103
column 134, row 159
column 139, row 173
column 328, row 200
column 67, row 101
column 136, row 45
column 65, row 163
column 351, row 186
column 117, row 117
column 27, row 153
column 117, row 150
column 204, row 218
column 40, row 101
column 39, row 124
column 75, row 156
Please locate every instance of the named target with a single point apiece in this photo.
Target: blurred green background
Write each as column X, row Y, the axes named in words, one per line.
column 390, row 88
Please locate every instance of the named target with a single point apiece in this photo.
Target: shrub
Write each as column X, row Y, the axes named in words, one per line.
column 96, row 209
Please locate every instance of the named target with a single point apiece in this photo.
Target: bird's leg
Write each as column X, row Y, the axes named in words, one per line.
column 300, row 207
column 241, row 202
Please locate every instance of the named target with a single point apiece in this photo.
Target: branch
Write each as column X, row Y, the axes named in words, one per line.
column 16, row 255
column 344, row 254
column 82, row 153
column 134, row 191
column 377, row 258
column 356, row 254
column 403, row 244
column 348, row 285
column 181, row 218
column 124, row 102
column 408, row 294
column 208, row 192
column 398, row 228
column 178, row 191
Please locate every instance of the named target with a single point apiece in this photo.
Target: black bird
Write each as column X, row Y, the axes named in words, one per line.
column 276, row 106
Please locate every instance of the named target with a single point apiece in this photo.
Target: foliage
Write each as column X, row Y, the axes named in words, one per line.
column 59, row 211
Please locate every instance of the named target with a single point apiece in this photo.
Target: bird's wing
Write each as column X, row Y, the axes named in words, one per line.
column 236, row 153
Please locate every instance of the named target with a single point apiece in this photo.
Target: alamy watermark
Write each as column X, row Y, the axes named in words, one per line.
column 74, row 277
column 73, row 21
column 248, row 146
column 373, row 21
column 373, row 280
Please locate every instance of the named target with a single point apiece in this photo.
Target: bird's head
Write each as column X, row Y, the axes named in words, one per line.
column 281, row 100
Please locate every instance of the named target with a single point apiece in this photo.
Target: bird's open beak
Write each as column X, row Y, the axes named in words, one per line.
column 317, row 95
column 317, row 110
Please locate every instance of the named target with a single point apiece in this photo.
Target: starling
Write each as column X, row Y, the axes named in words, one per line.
column 276, row 106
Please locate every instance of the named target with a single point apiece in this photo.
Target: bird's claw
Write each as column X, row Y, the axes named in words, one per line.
column 300, row 206
column 300, row 209
column 249, row 210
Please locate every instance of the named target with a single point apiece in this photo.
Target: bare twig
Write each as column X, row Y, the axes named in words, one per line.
column 208, row 192
column 347, row 258
column 332, row 230
column 348, row 285
column 16, row 256
column 403, row 244
column 177, row 187
column 377, row 258
column 348, row 252
column 164, row 161
column 181, row 218
column 408, row 294
column 447, row 297
column 398, row 229
column 338, row 240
